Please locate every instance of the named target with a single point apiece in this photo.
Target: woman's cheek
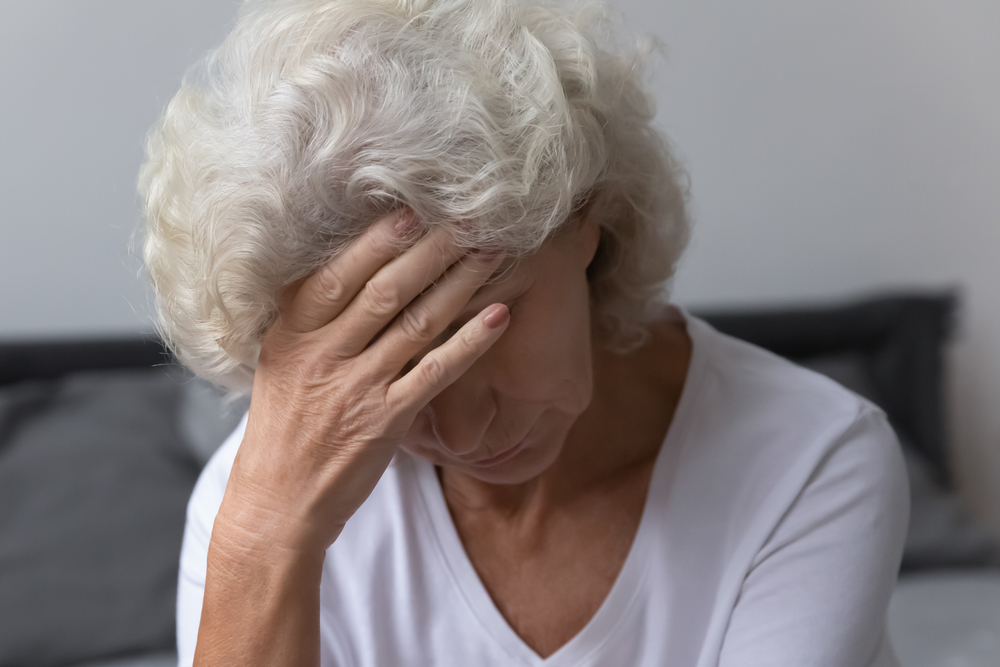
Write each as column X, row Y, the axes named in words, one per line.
column 420, row 438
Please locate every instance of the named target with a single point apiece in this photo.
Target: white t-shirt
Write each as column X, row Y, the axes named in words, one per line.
column 771, row 536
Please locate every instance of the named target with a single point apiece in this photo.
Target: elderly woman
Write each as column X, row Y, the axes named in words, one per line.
column 432, row 237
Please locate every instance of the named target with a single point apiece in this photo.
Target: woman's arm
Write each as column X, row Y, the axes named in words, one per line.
column 819, row 588
column 261, row 602
column 330, row 407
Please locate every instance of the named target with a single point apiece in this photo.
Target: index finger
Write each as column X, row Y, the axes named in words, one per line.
column 325, row 294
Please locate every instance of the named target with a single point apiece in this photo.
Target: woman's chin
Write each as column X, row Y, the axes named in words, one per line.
column 522, row 463
column 523, row 466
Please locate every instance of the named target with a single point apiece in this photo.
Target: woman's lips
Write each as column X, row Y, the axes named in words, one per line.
column 499, row 458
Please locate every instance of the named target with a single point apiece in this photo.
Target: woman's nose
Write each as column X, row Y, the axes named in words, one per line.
column 461, row 415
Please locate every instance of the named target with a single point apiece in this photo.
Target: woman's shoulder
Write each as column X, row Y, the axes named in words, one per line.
column 204, row 503
column 809, row 480
column 764, row 443
column 760, row 385
column 765, row 430
column 211, row 485
column 758, row 422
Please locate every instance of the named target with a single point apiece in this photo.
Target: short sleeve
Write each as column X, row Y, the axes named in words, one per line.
column 817, row 592
column 201, row 510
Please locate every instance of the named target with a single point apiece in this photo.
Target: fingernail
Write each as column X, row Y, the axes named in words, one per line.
column 497, row 317
column 407, row 222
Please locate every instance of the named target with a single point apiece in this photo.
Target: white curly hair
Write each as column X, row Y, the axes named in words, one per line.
column 316, row 117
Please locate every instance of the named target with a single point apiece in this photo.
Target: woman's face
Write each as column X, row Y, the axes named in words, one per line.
column 505, row 420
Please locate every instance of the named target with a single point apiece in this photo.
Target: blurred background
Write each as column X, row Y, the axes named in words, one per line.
column 836, row 150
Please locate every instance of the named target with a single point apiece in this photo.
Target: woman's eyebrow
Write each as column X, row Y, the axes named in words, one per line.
column 501, row 287
column 492, row 281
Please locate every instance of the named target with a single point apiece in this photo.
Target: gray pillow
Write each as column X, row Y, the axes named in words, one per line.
column 95, row 474
column 207, row 415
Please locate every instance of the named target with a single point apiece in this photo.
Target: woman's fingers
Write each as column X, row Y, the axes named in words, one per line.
column 373, row 287
column 325, row 294
column 391, row 289
column 446, row 363
column 431, row 313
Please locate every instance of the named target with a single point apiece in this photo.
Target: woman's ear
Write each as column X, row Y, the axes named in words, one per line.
column 589, row 239
column 581, row 235
column 588, row 231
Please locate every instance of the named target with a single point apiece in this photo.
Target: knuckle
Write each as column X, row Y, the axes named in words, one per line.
column 382, row 299
column 434, row 371
column 417, row 324
column 467, row 344
column 331, row 285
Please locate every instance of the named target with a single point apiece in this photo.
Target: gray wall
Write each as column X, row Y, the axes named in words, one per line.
column 844, row 147
column 834, row 147
column 80, row 83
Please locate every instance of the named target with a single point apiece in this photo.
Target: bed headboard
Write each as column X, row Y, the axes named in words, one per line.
column 49, row 359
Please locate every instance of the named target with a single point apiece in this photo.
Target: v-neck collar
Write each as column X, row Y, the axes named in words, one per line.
column 628, row 584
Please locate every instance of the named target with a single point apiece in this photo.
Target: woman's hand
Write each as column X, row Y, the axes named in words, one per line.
column 330, row 407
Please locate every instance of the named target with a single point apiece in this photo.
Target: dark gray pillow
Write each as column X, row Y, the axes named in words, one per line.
column 207, row 415
column 95, row 476
column 162, row 659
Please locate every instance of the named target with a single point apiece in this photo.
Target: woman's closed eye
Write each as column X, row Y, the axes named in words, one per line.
column 453, row 328
column 441, row 339
column 456, row 325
